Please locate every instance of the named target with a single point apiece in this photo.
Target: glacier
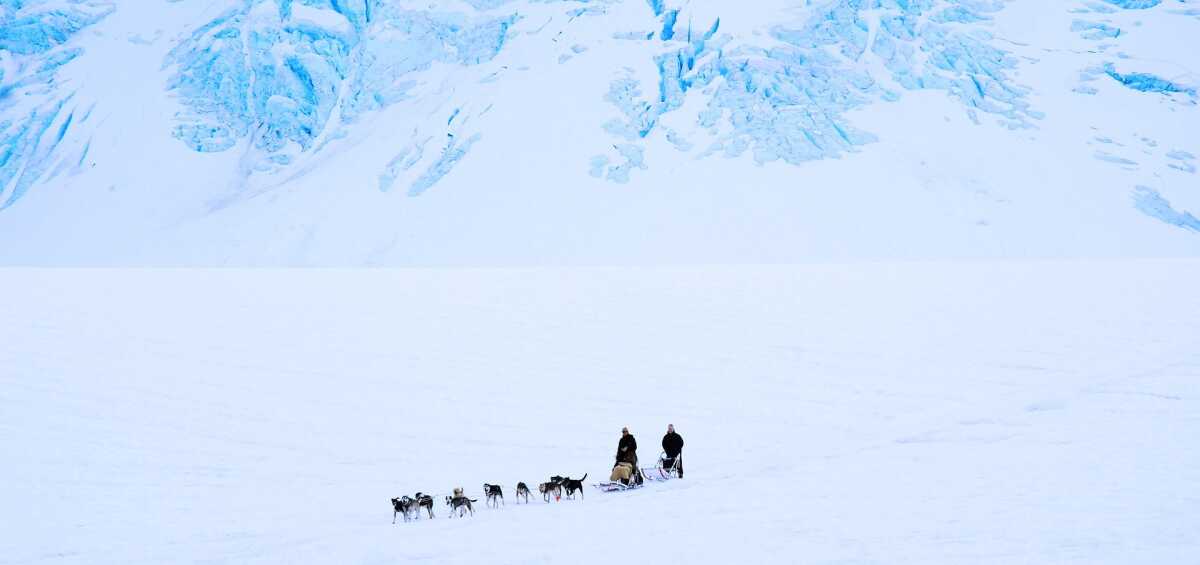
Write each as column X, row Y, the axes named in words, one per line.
column 36, row 108
column 291, row 99
column 1147, row 82
column 30, row 27
column 284, row 75
column 781, row 103
column 789, row 101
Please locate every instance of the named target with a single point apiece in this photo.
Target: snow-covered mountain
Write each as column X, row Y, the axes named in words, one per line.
column 365, row 132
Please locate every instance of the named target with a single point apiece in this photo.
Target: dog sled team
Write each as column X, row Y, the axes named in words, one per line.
column 625, row 475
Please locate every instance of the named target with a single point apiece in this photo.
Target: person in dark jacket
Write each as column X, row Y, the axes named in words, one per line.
column 625, row 469
column 672, row 445
column 627, row 448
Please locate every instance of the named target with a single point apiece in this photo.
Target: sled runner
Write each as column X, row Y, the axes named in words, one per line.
column 609, row 486
column 637, row 480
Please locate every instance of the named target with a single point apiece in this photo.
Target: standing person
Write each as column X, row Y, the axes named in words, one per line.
column 672, row 445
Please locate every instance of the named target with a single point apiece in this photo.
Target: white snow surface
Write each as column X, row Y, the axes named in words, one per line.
column 971, row 412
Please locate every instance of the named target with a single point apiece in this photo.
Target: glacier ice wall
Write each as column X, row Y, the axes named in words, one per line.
column 284, row 75
column 281, row 79
column 37, row 109
column 788, row 101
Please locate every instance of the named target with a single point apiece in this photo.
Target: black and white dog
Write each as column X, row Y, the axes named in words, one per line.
column 572, row 486
column 424, row 501
column 495, row 496
column 522, row 491
column 460, row 504
column 403, row 506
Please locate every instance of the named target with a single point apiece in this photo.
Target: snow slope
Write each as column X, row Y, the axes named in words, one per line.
column 1011, row 412
column 468, row 132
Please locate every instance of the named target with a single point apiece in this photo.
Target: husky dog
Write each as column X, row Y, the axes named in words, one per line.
column 460, row 503
column 424, row 501
column 522, row 491
column 403, row 506
column 572, row 486
column 554, row 487
column 495, row 496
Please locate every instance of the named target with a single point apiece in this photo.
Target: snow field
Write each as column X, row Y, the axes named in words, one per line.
column 1031, row 412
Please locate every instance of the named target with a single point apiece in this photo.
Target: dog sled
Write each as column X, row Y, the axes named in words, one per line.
column 625, row 476
column 667, row 468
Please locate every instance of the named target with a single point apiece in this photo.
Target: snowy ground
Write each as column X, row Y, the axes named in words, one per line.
column 885, row 413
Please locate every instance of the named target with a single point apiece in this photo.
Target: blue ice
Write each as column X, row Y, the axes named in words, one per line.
column 451, row 155
column 1114, row 159
column 668, row 29
column 1152, row 204
column 279, row 83
column 403, row 161
column 789, row 101
column 26, row 152
column 1147, row 82
column 486, row 4
column 1134, row 4
column 35, row 115
column 634, row 159
column 1181, row 161
column 42, row 31
column 634, row 35
column 1095, row 30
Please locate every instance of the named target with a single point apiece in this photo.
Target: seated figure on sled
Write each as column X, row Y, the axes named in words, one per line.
column 626, row 470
